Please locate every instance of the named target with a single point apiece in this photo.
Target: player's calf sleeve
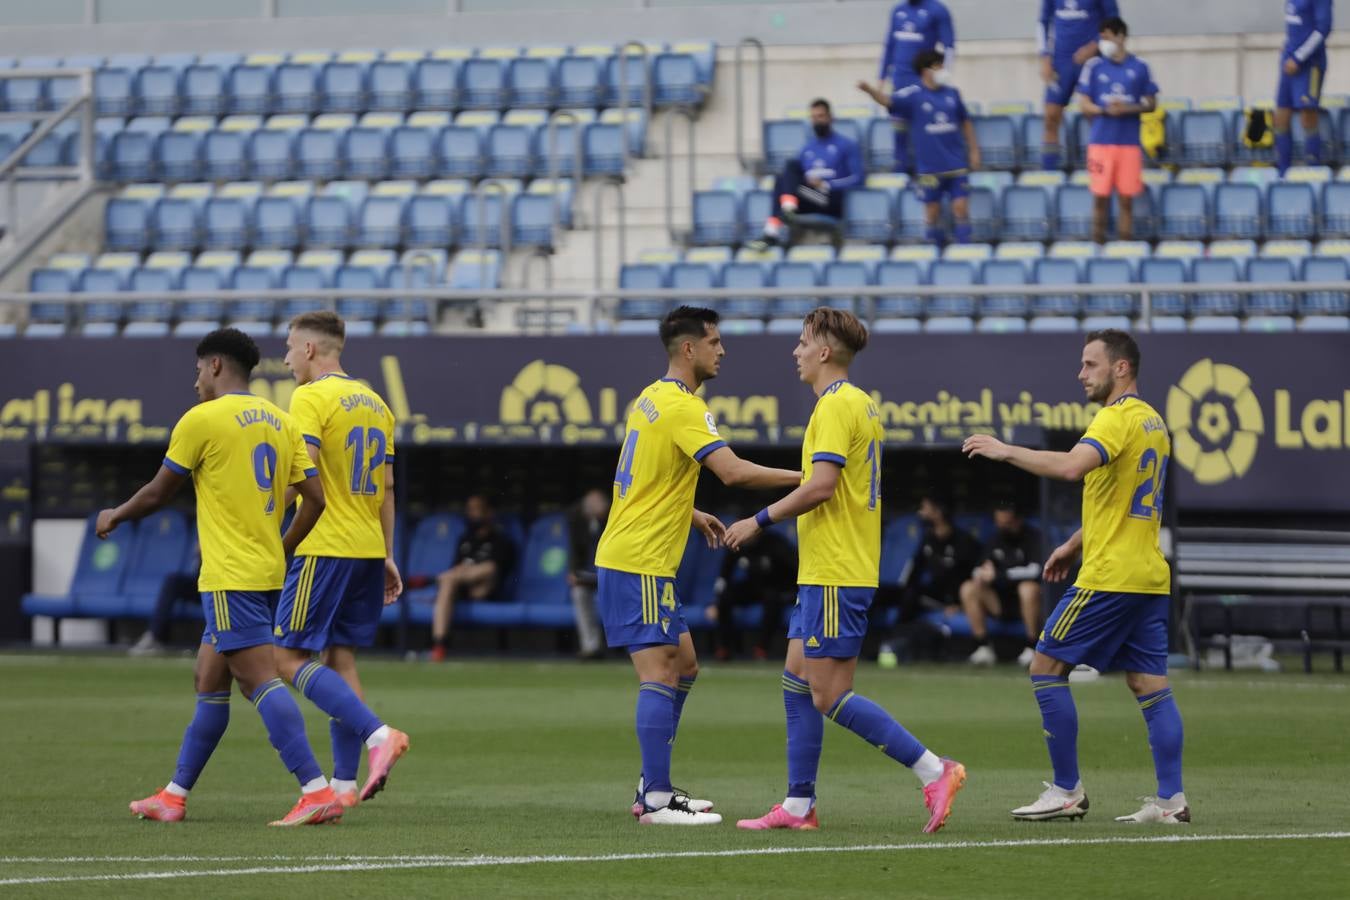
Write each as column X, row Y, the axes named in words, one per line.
column 325, row 689
column 874, row 725
column 963, row 232
column 655, row 728
column 286, row 730
column 346, row 750
column 681, row 695
column 1284, row 150
column 805, row 735
column 203, row 734
column 1059, row 721
column 1051, row 154
column 1164, row 738
column 935, row 235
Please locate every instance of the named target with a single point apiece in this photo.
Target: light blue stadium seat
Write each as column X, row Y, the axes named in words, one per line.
column 223, row 155
column 391, row 86
column 997, row 138
column 1203, row 138
column 380, row 222
column 580, row 82
column 745, row 276
column 156, row 89
column 793, row 275
column 318, row 153
column 490, row 210
column 638, row 72
column 270, row 155
column 178, row 155
column 1055, row 308
column 868, row 216
column 1165, row 271
column 227, row 222
column 1026, row 214
column 1336, row 208
column 342, row 87
column 531, row 84
column 783, row 139
column 756, row 206
column 1239, row 212
column 910, row 224
column 1216, row 305
column 249, row 89
column 879, row 145
column 1267, row 270
column 365, row 153
column 1184, row 212
column 175, row 224
column 1325, row 269
column 510, row 151
column 482, row 84
column 328, row 222
column 1292, row 210
column 899, row 274
column 985, row 222
column 716, row 218
column 28, row 94
column 114, row 91
column 203, row 90
column 676, row 80
column 642, row 276
column 459, row 152
column 1145, row 214
column 126, row 224
column 532, row 221
column 435, row 84
column 276, row 223
column 12, row 133
column 693, row 276
column 131, row 155
column 1073, row 212
column 1330, row 145
column 431, row 221
column 412, row 152
column 1008, row 306
column 602, row 147
column 1109, row 271
column 1031, row 139
column 951, row 312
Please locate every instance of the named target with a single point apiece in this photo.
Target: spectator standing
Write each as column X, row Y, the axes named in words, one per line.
column 915, row 26
column 1006, row 585
column 585, row 523
column 483, row 559
column 1303, row 70
column 1067, row 35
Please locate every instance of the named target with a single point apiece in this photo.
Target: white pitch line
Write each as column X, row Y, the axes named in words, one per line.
column 376, row 864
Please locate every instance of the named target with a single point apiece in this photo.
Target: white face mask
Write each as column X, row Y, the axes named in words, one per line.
column 942, row 77
column 1108, row 48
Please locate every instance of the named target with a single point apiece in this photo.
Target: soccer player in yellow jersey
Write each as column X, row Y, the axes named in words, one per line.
column 241, row 453
column 1115, row 614
column 838, row 510
column 344, row 572
column 670, row 432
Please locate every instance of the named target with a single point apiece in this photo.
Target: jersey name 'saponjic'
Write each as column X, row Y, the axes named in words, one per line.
column 839, row 542
column 1123, row 501
column 243, row 452
column 669, row 433
column 354, row 431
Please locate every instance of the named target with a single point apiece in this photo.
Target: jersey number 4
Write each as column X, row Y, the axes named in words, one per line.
column 623, row 475
column 1148, row 496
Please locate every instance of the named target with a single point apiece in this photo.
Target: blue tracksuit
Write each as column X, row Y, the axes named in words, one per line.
column 1065, row 26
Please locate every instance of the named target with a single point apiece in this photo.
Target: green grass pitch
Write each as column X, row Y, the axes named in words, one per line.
column 521, row 774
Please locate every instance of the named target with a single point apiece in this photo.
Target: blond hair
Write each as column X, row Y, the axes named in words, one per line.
column 840, row 329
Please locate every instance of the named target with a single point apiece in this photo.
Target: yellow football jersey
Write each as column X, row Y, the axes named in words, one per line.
column 354, row 431
column 243, row 452
column 839, row 542
column 670, row 432
column 1123, row 499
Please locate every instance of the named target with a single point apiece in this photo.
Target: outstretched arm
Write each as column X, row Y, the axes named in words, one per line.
column 824, row 479
column 733, row 471
column 1071, row 466
column 154, row 495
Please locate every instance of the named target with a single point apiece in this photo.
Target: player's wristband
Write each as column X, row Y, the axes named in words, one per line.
column 763, row 519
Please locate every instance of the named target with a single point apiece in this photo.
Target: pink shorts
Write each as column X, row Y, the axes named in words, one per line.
column 1115, row 167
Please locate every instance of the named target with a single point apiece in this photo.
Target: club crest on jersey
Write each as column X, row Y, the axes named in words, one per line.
column 665, row 626
column 711, row 422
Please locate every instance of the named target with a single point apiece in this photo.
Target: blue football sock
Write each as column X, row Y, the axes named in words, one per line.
column 935, row 235
column 1312, row 149
column 1164, row 738
column 902, row 160
column 326, row 690
column 874, row 725
column 1284, row 151
column 655, row 732
column 1051, row 154
column 286, row 730
column 346, row 751
column 203, row 734
column 681, row 695
column 1059, row 721
column 963, row 232
column 805, row 735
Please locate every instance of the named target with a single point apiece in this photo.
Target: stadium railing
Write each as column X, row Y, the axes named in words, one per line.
column 1236, row 569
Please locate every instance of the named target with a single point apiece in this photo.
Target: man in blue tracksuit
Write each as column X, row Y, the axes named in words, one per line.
column 1303, row 69
column 816, row 181
column 914, row 26
column 1068, row 38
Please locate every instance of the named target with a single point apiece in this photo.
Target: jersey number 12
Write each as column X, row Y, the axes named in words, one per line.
column 359, row 440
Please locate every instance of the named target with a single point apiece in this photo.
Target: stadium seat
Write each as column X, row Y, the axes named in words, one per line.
column 997, row 139
column 175, row 224
column 223, row 155
column 542, row 585
column 603, row 150
column 431, row 221
column 1293, row 211
column 1026, row 214
column 113, row 91
column 1055, row 311
column 276, row 223
column 632, row 72
column 131, row 155
column 1215, row 311
column 459, row 152
column 270, row 155
column 1167, row 308
column 1109, row 271
column 1008, row 312
column 1238, row 211
column 1073, row 213
column 716, row 218
column 156, row 90
column 163, row 545
column 177, row 155
column 951, row 313
column 510, row 150
column 1273, row 310
column 782, row 139
column 1328, row 270
column 1184, row 212
column 342, row 87
column 365, row 153
column 532, row 221
column 868, row 216
column 1203, row 138
column 580, row 82
column 249, row 88
column 482, row 84
column 676, row 80
column 126, row 224
column 202, row 90
column 97, row 582
column 530, row 83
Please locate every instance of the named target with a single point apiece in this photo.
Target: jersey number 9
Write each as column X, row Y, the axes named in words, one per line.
column 265, row 472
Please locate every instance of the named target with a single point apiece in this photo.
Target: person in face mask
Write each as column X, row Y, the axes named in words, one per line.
column 484, row 557
column 945, row 149
column 915, row 26
column 1115, row 89
column 816, row 181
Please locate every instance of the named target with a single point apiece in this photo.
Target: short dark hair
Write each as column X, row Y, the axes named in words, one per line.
column 686, row 321
column 1119, row 345
column 821, row 103
column 234, row 345
column 927, row 59
column 1115, row 25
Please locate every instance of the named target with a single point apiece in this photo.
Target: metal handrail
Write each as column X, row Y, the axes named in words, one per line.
column 647, row 99
column 688, row 115
column 551, row 138
column 748, row 165
column 83, row 173
column 598, row 220
column 503, row 218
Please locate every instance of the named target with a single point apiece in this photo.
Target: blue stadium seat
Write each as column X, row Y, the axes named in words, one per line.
column 543, row 586
column 641, row 276
column 1109, row 271
column 997, row 138
column 530, row 83
column 126, row 224
column 1216, row 305
column 318, row 153
column 412, row 152
column 1003, row 309
column 580, row 82
column 693, row 276
column 1031, row 140
column 985, row 223
column 365, row 153
column 156, row 89
column 223, row 155
column 790, row 310
column 716, row 218
column 1055, row 308
column 203, row 91
column 1073, row 212
column 756, row 206
column 432, row 549
column 1165, row 271
column 847, row 273
column 487, row 232
column 1329, row 270
column 227, row 223
column 162, row 546
column 951, row 313
column 178, row 155
column 1330, row 144
column 328, row 222
column 435, row 84
column 97, row 582
column 28, row 94
column 1238, row 211
column 391, row 86
column 899, row 274
column 510, row 151
column 431, row 221
column 249, row 89
column 1203, row 138
column 131, row 155
column 342, row 87
column 637, row 71
column 1026, row 214
column 602, row 148
column 1145, row 214
column 868, row 216
column 1271, row 306
column 910, row 225
column 532, row 221
column 459, row 152
column 12, row 134
column 1293, row 211
column 783, row 139
column 482, row 84
column 879, row 146
column 113, row 91
column 380, row 222
column 270, row 155
column 1184, row 212
column 175, row 224
column 276, row 223
column 1336, row 208
column 676, row 81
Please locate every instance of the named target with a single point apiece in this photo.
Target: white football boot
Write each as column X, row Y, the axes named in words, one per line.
column 1161, row 812
column 1055, row 803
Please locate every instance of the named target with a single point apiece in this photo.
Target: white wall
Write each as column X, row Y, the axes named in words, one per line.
column 56, row 549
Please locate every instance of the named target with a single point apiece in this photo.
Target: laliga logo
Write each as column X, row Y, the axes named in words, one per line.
column 1215, row 420
column 542, row 393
